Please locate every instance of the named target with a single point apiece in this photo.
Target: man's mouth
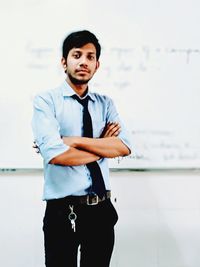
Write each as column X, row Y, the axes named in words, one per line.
column 82, row 70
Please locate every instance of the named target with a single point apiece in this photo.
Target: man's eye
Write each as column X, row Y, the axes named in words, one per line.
column 91, row 57
column 76, row 55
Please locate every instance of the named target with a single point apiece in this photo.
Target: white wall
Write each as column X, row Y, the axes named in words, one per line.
column 159, row 223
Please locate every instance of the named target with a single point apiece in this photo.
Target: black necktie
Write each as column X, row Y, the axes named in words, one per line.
column 98, row 185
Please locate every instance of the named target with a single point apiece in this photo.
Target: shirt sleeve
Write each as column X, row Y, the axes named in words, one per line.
column 113, row 116
column 46, row 128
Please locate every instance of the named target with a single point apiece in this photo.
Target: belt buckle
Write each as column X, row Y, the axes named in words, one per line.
column 90, row 203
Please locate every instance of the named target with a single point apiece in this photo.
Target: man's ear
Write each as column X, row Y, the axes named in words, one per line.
column 97, row 65
column 64, row 63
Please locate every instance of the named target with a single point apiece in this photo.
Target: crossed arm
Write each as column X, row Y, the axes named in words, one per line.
column 84, row 150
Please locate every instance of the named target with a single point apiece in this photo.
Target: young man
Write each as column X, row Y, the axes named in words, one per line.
column 76, row 132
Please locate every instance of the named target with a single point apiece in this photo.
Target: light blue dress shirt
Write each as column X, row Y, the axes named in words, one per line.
column 57, row 114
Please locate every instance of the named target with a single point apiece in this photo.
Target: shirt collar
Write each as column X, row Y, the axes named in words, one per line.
column 68, row 91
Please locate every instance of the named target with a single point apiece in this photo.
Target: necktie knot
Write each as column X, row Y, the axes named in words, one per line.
column 83, row 101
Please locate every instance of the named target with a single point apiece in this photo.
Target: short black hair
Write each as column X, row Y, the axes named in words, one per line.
column 79, row 39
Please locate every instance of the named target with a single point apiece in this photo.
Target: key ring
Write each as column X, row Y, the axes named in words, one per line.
column 72, row 215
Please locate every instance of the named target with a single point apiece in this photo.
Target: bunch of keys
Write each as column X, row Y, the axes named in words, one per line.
column 72, row 217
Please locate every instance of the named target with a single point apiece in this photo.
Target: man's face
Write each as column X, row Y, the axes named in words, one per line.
column 81, row 64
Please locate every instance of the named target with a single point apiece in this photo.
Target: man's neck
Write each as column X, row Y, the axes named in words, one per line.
column 80, row 89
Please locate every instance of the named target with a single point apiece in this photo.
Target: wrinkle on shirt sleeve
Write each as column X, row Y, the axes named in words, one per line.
column 46, row 128
column 113, row 116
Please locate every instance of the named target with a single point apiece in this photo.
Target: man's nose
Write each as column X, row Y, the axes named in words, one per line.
column 83, row 61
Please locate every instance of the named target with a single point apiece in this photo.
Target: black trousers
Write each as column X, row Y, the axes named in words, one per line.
column 94, row 234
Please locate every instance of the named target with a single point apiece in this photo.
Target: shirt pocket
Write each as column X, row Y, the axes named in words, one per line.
column 98, row 127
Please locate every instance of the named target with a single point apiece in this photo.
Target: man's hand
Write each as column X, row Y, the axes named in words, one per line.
column 111, row 129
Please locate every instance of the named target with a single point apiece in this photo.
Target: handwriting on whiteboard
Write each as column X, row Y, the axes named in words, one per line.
column 140, row 58
column 160, row 148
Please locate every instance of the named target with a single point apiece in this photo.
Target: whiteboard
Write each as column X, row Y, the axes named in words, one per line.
column 149, row 65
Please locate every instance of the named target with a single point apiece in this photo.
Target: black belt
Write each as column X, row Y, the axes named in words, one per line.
column 90, row 199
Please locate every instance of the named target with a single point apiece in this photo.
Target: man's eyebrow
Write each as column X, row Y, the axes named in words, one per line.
column 78, row 50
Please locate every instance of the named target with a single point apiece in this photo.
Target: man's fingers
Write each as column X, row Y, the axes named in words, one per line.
column 112, row 129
